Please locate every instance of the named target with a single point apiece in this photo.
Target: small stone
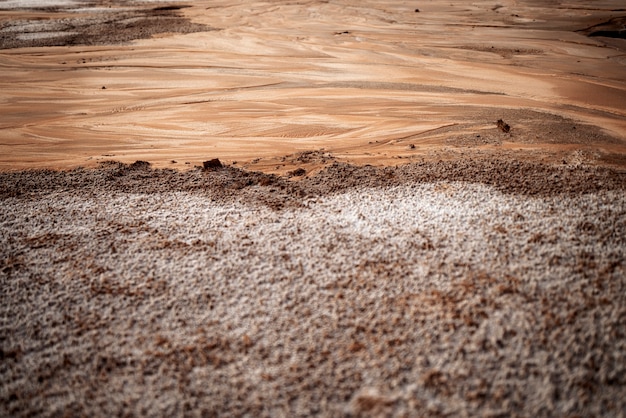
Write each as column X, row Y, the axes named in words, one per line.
column 504, row 127
column 212, row 164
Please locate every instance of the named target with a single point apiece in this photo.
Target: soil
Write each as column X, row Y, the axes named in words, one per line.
column 235, row 208
column 474, row 287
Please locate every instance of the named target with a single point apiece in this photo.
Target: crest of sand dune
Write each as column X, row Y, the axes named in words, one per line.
column 258, row 84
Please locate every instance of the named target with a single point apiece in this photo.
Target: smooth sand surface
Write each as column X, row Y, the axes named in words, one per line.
column 257, row 82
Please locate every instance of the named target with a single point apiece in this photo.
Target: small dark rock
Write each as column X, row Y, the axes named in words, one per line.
column 417, row 10
column 104, row 88
column 297, row 172
column 504, row 127
column 212, row 164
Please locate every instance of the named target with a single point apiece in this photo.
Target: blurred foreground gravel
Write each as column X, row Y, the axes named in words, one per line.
column 424, row 290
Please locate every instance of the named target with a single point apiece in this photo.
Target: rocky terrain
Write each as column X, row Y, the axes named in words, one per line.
column 474, row 288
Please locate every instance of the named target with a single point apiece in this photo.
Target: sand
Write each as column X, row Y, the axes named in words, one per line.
column 375, row 243
column 253, row 82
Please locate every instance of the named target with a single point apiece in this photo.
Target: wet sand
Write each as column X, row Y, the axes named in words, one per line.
column 256, row 83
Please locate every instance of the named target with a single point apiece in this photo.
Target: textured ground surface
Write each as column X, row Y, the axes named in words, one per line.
column 484, row 288
column 476, row 270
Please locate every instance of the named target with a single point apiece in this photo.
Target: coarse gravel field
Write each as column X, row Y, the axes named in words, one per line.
column 482, row 288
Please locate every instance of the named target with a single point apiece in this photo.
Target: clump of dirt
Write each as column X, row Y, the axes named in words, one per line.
column 503, row 126
column 298, row 172
column 212, row 164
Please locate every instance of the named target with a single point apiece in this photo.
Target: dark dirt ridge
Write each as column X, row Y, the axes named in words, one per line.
column 613, row 28
column 103, row 28
column 507, row 176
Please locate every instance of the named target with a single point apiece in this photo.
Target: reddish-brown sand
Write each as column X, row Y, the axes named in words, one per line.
column 256, row 83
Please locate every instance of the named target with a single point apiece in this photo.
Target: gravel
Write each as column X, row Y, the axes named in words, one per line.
column 484, row 288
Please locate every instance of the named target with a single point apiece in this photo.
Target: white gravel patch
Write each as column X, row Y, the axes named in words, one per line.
column 43, row 35
column 70, row 4
column 442, row 298
column 32, row 4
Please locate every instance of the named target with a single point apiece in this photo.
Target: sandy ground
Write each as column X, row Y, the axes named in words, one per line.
column 256, row 82
column 374, row 245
